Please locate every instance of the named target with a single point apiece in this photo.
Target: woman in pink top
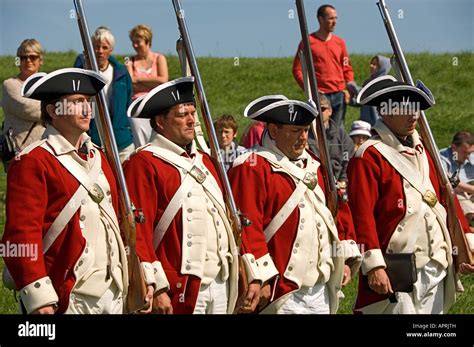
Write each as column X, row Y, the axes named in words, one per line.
column 147, row 70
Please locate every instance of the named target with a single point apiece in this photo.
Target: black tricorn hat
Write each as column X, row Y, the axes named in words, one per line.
column 166, row 95
column 291, row 112
column 262, row 102
column 46, row 87
column 386, row 89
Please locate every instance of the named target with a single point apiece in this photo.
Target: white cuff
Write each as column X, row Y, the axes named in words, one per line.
column 38, row 294
column 148, row 273
column 352, row 256
column 160, row 277
column 372, row 259
column 251, row 268
column 267, row 268
column 470, row 240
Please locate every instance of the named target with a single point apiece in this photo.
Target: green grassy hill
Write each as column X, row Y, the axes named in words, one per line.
column 230, row 84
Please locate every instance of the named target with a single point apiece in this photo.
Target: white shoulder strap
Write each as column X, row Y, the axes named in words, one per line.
column 361, row 150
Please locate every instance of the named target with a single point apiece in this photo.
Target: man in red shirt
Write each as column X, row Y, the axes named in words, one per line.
column 331, row 63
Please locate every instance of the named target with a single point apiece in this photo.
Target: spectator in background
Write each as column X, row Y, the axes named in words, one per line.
column 23, row 115
column 331, row 63
column 459, row 157
column 118, row 91
column 379, row 66
column 147, row 70
column 226, row 130
column 360, row 132
column 339, row 144
column 253, row 134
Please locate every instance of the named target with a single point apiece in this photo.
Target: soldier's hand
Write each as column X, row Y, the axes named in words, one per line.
column 148, row 299
column 251, row 298
column 265, row 295
column 162, row 304
column 44, row 310
column 347, row 275
column 466, row 268
column 379, row 282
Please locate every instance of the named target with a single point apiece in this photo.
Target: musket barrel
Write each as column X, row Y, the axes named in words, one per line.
column 215, row 152
column 319, row 131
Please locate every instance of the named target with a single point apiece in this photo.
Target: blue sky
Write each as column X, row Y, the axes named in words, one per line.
column 237, row 28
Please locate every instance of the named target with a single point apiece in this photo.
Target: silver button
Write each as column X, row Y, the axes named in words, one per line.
column 189, row 218
column 400, row 229
column 110, row 200
column 402, row 224
column 188, row 267
column 252, row 260
column 108, row 192
column 178, row 285
column 80, row 263
column 302, row 220
column 190, row 210
column 189, row 194
column 297, row 245
column 86, row 250
column 290, row 268
column 48, row 281
column 83, row 218
column 72, row 297
column 184, row 171
column 155, row 271
column 295, row 251
column 37, row 285
column 318, row 225
column 213, row 210
column 407, row 185
column 430, row 227
column 189, row 244
column 265, row 263
column 367, row 254
column 352, row 242
column 207, row 173
column 190, row 236
column 83, row 201
column 302, row 205
column 427, row 215
column 301, row 227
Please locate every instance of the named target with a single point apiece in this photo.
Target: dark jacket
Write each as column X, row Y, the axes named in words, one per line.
column 121, row 99
column 340, row 147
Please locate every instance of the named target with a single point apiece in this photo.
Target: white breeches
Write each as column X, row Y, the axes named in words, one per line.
column 212, row 298
column 307, row 300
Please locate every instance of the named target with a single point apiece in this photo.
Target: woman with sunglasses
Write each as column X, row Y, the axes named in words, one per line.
column 22, row 115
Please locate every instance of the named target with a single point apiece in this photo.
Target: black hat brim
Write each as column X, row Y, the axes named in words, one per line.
column 62, row 82
column 387, row 90
column 161, row 98
column 262, row 102
column 289, row 112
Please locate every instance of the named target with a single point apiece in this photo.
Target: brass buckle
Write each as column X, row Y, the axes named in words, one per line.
column 96, row 193
column 430, row 198
column 197, row 174
column 310, row 180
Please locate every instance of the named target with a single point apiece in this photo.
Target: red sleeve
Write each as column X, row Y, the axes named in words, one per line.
column 345, row 225
column 249, row 188
column 140, row 177
column 27, row 197
column 362, row 190
column 297, row 70
column 346, row 64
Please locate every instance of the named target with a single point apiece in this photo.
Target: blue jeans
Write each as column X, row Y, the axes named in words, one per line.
column 338, row 107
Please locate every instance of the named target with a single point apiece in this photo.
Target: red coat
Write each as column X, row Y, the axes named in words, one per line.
column 152, row 183
column 375, row 190
column 38, row 187
column 260, row 193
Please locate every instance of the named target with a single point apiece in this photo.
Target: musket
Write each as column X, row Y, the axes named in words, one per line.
column 137, row 288
column 186, row 71
column 234, row 214
column 461, row 250
column 317, row 127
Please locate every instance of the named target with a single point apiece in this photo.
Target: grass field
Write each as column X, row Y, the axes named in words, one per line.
column 231, row 83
